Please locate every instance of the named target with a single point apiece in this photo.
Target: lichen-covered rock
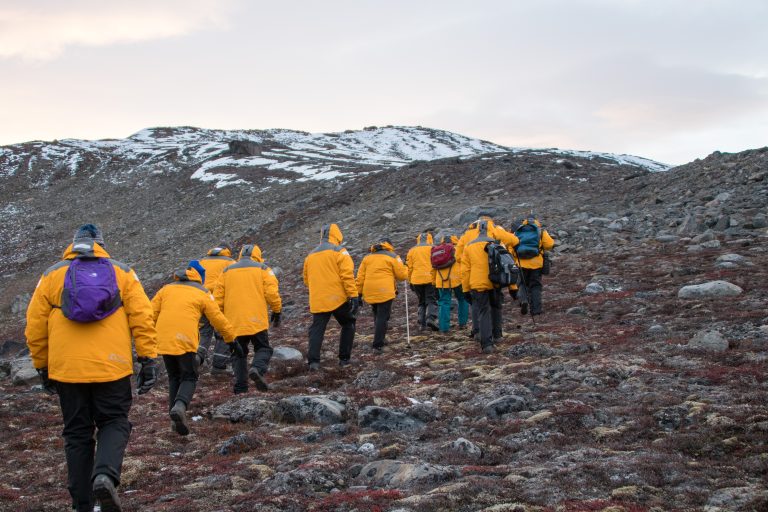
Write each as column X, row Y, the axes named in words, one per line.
column 504, row 405
column 386, row 420
column 709, row 340
column 313, row 409
column 247, row 408
column 289, row 354
column 23, row 372
column 711, row 289
column 394, row 473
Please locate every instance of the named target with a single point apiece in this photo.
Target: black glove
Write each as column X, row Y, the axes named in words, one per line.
column 48, row 386
column 513, row 294
column 147, row 375
column 354, row 303
column 275, row 319
column 199, row 358
column 236, row 349
column 468, row 297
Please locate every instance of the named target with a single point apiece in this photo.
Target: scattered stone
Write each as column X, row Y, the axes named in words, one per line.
column 504, row 405
column 711, row 289
column 246, row 409
column 657, row 329
column 375, row 379
column 314, row 409
column 465, row 447
column 23, row 372
column 287, row 354
column 241, row 443
column 594, row 288
column 576, row 310
column 709, row 340
column 394, row 473
column 736, row 498
column 672, row 418
column 382, row 419
column 368, row 449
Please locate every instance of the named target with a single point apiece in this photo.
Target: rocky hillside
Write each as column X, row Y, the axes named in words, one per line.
column 643, row 387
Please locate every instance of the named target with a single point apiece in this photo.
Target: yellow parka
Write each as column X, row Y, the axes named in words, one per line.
column 419, row 261
column 379, row 273
column 546, row 243
column 89, row 352
column 244, row 290
column 448, row 277
column 214, row 262
column 494, row 231
column 474, row 260
column 329, row 272
column 177, row 309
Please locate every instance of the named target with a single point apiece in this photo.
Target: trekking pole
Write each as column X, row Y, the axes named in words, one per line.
column 407, row 321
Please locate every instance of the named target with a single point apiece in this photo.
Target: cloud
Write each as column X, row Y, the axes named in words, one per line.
column 43, row 30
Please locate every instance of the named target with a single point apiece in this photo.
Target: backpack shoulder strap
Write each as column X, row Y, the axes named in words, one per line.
column 56, row 266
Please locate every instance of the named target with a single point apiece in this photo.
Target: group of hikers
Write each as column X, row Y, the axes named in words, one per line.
column 89, row 312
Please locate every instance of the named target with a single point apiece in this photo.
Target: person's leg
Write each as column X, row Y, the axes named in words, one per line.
column 497, row 302
column 534, row 284
column 187, row 377
column 522, row 290
column 77, row 413
column 206, row 333
column 444, row 308
column 316, row 335
column 240, row 366
column 174, row 377
column 221, row 354
column 475, row 322
column 431, row 299
column 420, row 290
column 112, row 403
column 343, row 315
column 463, row 306
column 482, row 302
column 383, row 311
column 262, row 351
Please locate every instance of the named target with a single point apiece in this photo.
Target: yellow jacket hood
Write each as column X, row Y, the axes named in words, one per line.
column 220, row 251
column 98, row 251
column 188, row 274
column 251, row 251
column 382, row 246
column 424, row 238
column 331, row 233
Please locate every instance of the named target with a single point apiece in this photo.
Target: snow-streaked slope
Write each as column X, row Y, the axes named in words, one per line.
column 241, row 157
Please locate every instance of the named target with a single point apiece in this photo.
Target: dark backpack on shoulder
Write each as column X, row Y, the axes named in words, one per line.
column 530, row 239
column 502, row 270
column 90, row 289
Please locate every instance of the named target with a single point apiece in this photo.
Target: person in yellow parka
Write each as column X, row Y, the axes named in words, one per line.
column 485, row 298
column 495, row 232
column 377, row 280
column 217, row 259
column 243, row 292
column 329, row 273
column 448, row 283
column 82, row 350
column 177, row 309
column 533, row 242
column 421, row 277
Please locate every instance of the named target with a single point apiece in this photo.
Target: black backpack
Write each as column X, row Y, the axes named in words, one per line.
column 502, row 270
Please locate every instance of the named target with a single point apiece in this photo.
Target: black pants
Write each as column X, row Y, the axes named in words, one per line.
column 381, row 313
column 487, row 307
column 427, row 295
column 182, row 377
column 220, row 358
column 343, row 315
column 262, row 353
column 530, row 289
column 102, row 407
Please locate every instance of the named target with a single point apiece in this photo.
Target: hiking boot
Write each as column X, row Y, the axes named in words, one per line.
column 106, row 494
column 377, row 351
column 433, row 325
column 314, row 367
column 524, row 308
column 488, row 349
column 497, row 339
column 344, row 362
column 257, row 379
column 179, row 416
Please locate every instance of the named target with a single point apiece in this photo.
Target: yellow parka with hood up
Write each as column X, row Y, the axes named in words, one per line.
column 245, row 289
column 177, row 309
column 329, row 272
column 419, row 261
column 379, row 273
column 448, row 277
column 494, row 231
column 214, row 263
column 98, row 351
column 546, row 243
column 474, row 260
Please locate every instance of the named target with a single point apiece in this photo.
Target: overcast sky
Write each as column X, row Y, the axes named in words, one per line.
column 671, row 80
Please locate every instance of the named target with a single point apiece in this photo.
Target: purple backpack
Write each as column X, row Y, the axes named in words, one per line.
column 90, row 290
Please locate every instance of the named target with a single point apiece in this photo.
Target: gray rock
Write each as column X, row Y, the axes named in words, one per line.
column 672, row 418
column 287, row 354
column 711, row 289
column 735, row 498
column 504, row 405
column 576, row 310
column 23, row 372
column 711, row 244
column 375, row 379
column 759, row 221
column 465, row 447
column 657, row 329
column 386, row 420
column 20, row 303
column 731, row 258
column 246, row 409
column 712, row 341
column 313, row 409
column 594, row 288
column 240, row 443
column 368, row 449
column 667, row 239
column 706, row 236
column 473, row 213
column 394, row 473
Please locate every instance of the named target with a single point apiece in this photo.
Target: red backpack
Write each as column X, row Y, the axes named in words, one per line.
column 443, row 255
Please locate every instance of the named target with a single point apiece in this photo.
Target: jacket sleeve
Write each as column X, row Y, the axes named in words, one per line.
column 466, row 265
column 139, row 312
column 218, row 292
column 157, row 305
column 361, row 276
column 547, row 243
column 305, row 273
column 217, row 318
column 272, row 291
column 505, row 236
column 409, row 264
column 347, row 273
column 460, row 247
column 401, row 271
column 36, row 332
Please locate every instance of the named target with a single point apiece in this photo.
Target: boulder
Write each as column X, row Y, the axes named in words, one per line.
column 287, row 354
column 463, row 446
column 386, row 420
column 247, row 408
column 594, row 288
column 712, row 341
column 312, row 409
column 710, row 289
column 23, row 372
column 504, row 405
column 736, row 498
column 473, row 213
column 394, row 473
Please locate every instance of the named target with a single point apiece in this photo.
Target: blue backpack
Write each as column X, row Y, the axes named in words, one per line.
column 90, row 288
column 529, row 235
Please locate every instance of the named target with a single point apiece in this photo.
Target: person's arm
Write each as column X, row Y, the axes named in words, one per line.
column 218, row 292
column 140, row 318
column 466, row 265
column 347, row 273
column 400, row 270
column 409, row 264
column 507, row 238
column 547, row 243
column 157, row 304
column 361, row 276
column 36, row 332
column 272, row 291
column 305, row 274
